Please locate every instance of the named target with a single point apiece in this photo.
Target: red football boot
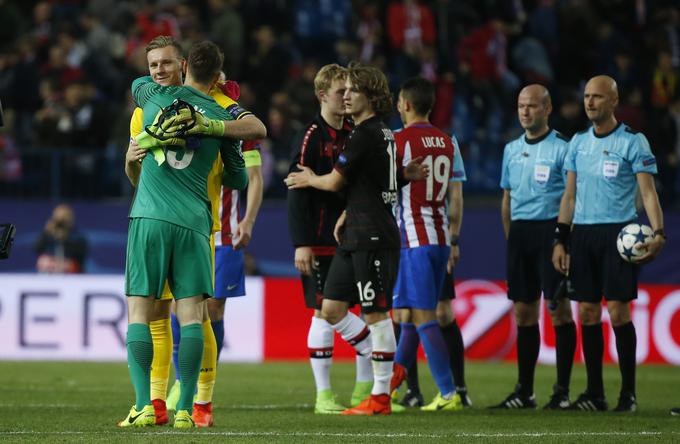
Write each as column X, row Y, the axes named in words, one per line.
column 202, row 415
column 160, row 410
column 398, row 376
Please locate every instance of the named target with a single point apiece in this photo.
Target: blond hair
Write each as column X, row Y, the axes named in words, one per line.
column 163, row 41
column 326, row 75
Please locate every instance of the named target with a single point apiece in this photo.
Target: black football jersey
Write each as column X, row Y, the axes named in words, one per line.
column 369, row 166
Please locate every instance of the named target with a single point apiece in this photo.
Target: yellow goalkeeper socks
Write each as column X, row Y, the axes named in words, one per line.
column 206, row 380
column 161, row 333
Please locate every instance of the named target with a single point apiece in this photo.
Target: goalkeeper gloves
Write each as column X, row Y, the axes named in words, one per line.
column 202, row 125
column 154, row 139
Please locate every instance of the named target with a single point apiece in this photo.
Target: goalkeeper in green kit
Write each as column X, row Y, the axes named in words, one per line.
column 171, row 221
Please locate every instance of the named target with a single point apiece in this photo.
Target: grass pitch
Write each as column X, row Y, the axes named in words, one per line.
column 273, row 402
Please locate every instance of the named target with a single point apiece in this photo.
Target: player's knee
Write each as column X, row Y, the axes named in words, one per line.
column 589, row 314
column 140, row 309
column 401, row 315
column 562, row 314
column 216, row 309
column 619, row 313
column 332, row 315
column 189, row 310
column 444, row 313
column 526, row 315
column 161, row 309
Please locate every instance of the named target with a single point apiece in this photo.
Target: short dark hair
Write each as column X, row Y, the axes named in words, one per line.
column 371, row 82
column 205, row 61
column 420, row 92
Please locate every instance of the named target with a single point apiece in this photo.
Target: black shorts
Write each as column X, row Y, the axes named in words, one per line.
column 529, row 260
column 448, row 289
column 365, row 277
column 596, row 269
column 313, row 285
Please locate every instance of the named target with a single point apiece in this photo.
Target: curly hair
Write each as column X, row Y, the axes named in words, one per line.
column 371, row 82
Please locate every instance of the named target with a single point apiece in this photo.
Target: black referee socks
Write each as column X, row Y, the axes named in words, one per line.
column 528, row 346
column 565, row 346
column 626, row 343
column 592, row 340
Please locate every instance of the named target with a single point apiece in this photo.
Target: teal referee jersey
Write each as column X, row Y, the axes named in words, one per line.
column 533, row 172
column 605, row 167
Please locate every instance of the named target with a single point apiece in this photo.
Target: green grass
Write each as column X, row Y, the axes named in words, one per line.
column 67, row 402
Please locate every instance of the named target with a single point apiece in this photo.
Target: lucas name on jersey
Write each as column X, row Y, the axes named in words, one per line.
column 433, row 142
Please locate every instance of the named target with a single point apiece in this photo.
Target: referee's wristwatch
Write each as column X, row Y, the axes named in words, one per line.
column 454, row 240
column 660, row 233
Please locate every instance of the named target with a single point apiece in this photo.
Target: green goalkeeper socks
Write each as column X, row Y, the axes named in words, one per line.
column 139, row 356
column 190, row 355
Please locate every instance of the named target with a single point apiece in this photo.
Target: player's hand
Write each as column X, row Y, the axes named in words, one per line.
column 203, row 126
column 651, row 249
column 134, row 152
column 244, row 232
column 416, row 170
column 454, row 257
column 560, row 259
column 299, row 179
column 304, row 260
column 155, row 136
column 339, row 227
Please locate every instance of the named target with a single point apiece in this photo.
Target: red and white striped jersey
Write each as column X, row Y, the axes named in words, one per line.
column 229, row 208
column 422, row 212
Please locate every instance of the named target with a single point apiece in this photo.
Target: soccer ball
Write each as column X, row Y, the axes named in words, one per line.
column 629, row 236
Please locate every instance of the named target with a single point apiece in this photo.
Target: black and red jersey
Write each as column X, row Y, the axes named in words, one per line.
column 369, row 166
column 312, row 213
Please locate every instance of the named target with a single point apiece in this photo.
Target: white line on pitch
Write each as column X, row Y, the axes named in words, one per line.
column 372, row 435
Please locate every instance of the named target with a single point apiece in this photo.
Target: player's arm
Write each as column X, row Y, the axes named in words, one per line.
column 306, row 178
column 455, row 221
column 650, row 200
column 560, row 257
column 134, row 154
column 505, row 212
column 349, row 163
column 301, row 201
column 246, row 128
column 133, row 162
column 244, row 230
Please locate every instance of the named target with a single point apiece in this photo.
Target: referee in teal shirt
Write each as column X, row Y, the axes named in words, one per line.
column 606, row 165
column 533, row 180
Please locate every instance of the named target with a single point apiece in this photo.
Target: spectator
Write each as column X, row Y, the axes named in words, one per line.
column 60, row 247
column 570, row 118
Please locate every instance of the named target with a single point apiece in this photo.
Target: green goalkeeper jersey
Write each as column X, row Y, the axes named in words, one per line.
column 177, row 190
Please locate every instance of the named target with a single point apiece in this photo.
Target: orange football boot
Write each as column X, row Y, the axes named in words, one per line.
column 373, row 405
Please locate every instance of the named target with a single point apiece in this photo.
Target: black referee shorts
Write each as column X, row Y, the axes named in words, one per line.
column 448, row 289
column 313, row 285
column 529, row 260
column 596, row 269
column 365, row 277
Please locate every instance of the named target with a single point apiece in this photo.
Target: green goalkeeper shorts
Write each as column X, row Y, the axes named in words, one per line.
column 158, row 250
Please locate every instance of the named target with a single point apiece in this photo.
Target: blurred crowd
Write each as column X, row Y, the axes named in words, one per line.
column 66, row 68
